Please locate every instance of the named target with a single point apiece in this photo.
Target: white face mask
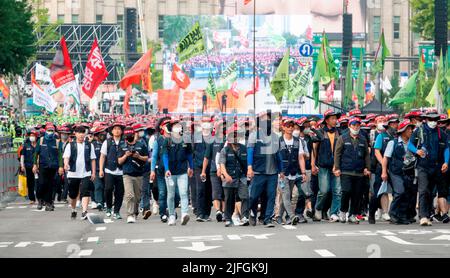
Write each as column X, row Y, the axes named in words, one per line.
column 354, row 132
column 177, row 129
column 432, row 124
column 296, row 133
column 49, row 132
column 33, row 139
column 141, row 134
column 380, row 126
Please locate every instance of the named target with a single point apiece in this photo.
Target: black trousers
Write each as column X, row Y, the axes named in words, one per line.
column 236, row 194
column 352, row 188
column 374, row 203
column 66, row 187
column 114, row 184
column 364, row 205
column 427, row 180
column 405, row 194
column 46, row 184
column 30, row 183
column 315, row 190
column 203, row 194
column 59, row 187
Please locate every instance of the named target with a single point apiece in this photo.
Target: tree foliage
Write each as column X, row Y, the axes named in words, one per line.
column 17, row 41
column 423, row 18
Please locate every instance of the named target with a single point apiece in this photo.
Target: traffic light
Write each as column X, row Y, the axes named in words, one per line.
column 440, row 27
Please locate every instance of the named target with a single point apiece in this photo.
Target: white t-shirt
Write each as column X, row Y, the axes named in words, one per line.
column 104, row 151
column 80, row 164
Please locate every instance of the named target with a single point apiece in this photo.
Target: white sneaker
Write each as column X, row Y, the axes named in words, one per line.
column 236, row 221
column 334, row 218
column 155, row 209
column 378, row 214
column 172, row 220
column 385, row 216
column 318, row 215
column 342, row 217
column 131, row 219
column 184, row 219
column 93, row 205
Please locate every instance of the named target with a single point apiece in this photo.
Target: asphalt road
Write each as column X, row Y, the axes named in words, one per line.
column 26, row 232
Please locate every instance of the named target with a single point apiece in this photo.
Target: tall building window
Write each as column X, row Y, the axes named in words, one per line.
column 99, row 19
column 396, row 27
column 182, row 7
column 74, row 18
column 204, row 7
column 160, row 26
column 60, row 18
column 397, row 66
column 376, row 28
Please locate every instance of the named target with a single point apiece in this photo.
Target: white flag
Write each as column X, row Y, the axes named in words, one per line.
column 387, row 85
column 43, row 73
column 72, row 89
column 43, row 99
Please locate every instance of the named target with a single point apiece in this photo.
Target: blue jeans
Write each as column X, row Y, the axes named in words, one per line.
column 162, row 191
column 260, row 184
column 99, row 190
column 146, row 192
column 180, row 181
column 329, row 183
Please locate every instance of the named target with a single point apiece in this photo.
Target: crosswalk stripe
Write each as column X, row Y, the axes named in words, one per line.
column 93, row 239
column 290, row 227
column 304, row 238
column 100, row 228
column 324, row 253
column 86, row 252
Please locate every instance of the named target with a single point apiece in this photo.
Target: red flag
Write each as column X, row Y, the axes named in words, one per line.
column 126, row 101
column 147, row 81
column 134, row 75
column 234, row 92
column 95, row 71
column 309, row 33
column 246, row 2
column 4, row 89
column 251, row 92
column 61, row 71
column 181, row 78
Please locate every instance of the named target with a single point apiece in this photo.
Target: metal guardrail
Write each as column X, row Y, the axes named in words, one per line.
column 8, row 167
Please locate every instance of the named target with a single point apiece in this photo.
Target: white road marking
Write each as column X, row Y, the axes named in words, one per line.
column 289, row 227
column 199, row 247
column 324, row 253
column 100, row 228
column 239, row 237
column 304, row 238
column 5, row 244
column 9, row 207
column 93, row 239
column 107, row 221
column 197, row 238
column 442, row 237
column 23, row 244
column 404, row 242
column 22, row 207
column 121, row 241
column 86, row 252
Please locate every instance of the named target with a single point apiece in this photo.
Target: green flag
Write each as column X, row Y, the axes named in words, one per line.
column 431, row 98
column 348, row 83
column 228, row 77
column 407, row 94
column 211, row 90
column 380, row 56
column 298, row 85
column 331, row 64
column 360, row 90
column 191, row 45
column 280, row 81
column 442, row 84
column 316, row 88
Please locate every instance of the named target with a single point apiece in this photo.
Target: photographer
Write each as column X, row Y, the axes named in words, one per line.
column 133, row 162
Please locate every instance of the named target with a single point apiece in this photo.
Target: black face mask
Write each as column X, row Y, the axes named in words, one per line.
column 102, row 137
column 130, row 139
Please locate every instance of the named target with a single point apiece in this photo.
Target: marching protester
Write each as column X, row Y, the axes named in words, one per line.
column 109, row 161
column 99, row 182
column 431, row 147
column 351, row 164
column 26, row 163
column 178, row 165
column 79, row 162
column 62, row 181
column 322, row 163
column 133, row 158
column 146, row 193
column 400, row 169
column 233, row 170
column 47, row 163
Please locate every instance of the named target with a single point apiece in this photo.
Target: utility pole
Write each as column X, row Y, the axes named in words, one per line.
column 142, row 26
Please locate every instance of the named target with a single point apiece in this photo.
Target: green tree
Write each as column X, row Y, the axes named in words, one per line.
column 43, row 29
column 291, row 40
column 423, row 18
column 16, row 36
column 175, row 27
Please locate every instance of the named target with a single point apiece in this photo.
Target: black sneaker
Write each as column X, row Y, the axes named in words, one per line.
column 39, row 206
column 372, row 220
column 302, row 219
column 252, row 221
column 310, row 214
column 279, row 220
column 48, row 208
column 269, row 224
column 100, row 207
column 164, row 218
column 228, row 223
column 84, row 215
column 445, row 218
column 73, row 215
column 295, row 220
column 412, row 220
column 325, row 216
column 219, row 216
column 437, row 217
column 147, row 214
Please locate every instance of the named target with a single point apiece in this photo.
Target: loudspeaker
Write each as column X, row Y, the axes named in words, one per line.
column 440, row 27
column 130, row 33
column 347, row 38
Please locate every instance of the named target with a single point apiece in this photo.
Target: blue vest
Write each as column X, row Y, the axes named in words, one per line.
column 353, row 158
column 28, row 152
column 435, row 143
column 215, row 148
column 48, row 155
column 178, row 162
column 160, row 139
column 134, row 167
column 74, row 154
column 97, row 148
column 260, row 158
column 199, row 154
column 397, row 158
column 113, row 153
column 236, row 163
column 325, row 157
column 144, row 142
column 289, row 157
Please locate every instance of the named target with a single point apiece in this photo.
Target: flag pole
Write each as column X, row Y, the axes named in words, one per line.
column 254, row 56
